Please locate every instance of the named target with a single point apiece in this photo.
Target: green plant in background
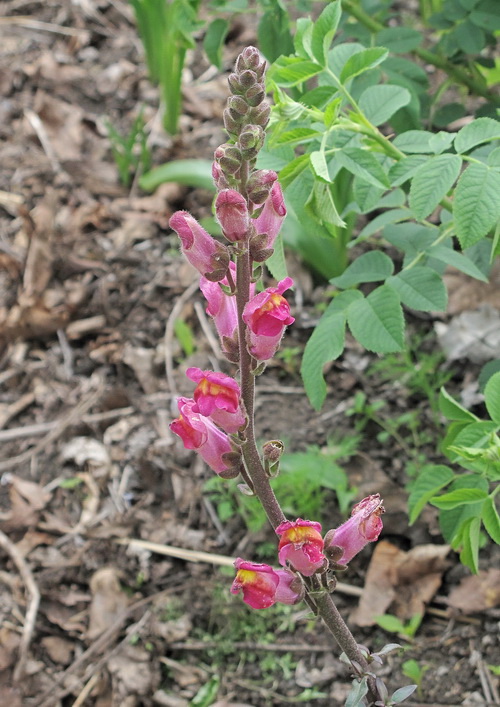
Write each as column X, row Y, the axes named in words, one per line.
column 338, row 169
column 466, row 501
column 413, row 670
column 130, row 152
column 166, row 28
column 394, row 625
column 295, row 475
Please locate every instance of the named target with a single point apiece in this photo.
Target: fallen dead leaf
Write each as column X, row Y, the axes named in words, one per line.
column 26, row 501
column 9, row 643
column 401, row 582
column 60, row 650
column 477, row 593
column 474, row 335
column 133, row 672
column 108, row 600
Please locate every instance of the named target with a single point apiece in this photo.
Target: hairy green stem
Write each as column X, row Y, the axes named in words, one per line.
column 455, row 72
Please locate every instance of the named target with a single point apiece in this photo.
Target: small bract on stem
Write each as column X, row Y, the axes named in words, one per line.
column 218, row 421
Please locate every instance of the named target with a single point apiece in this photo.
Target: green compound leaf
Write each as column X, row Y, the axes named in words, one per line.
column 403, row 170
column 362, row 61
column 470, row 541
column 326, row 344
column 379, row 103
column 476, row 204
column 492, row 397
column 321, row 205
column 324, row 30
column 214, row 41
column 297, row 135
column 364, row 165
column 459, row 497
column 457, row 260
column 414, row 141
column 368, row 267
column 420, row 288
column 431, row 183
column 290, row 71
column 433, row 478
column 399, row 40
column 491, row 519
column 452, row 409
column 451, row 520
column 479, row 131
column 377, row 322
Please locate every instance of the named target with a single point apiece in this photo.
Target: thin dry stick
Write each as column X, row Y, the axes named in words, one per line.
column 169, row 332
column 86, row 690
column 74, row 415
column 44, row 427
column 30, row 23
column 41, row 134
column 32, row 608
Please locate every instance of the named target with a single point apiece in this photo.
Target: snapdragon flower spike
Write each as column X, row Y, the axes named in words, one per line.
column 364, row 526
column 263, row 586
column 232, row 213
column 200, row 433
column 218, row 396
column 266, row 315
column 208, row 256
column 301, row 545
column 271, row 217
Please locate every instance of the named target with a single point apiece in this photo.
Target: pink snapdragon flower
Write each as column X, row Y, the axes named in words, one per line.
column 208, row 256
column 271, row 217
column 232, row 213
column 364, row 526
column 218, row 396
column 200, row 433
column 220, row 306
column 263, row 586
column 301, row 545
column 266, row 315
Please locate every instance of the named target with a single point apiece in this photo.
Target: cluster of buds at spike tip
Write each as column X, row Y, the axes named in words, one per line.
column 246, row 108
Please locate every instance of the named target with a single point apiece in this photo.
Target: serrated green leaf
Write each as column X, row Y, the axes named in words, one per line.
column 399, row 40
column 324, row 30
column 364, row 165
column 440, row 141
column 470, row 539
column 362, row 61
column 273, row 32
column 377, row 322
column 403, row 170
column 420, row 288
column 475, row 133
column 457, row 260
column 431, row 183
column 431, row 480
column 303, row 37
column 450, row 521
column 193, row 173
column 368, row 267
column 452, row 409
column 391, row 216
column 214, row 40
column 476, row 203
column 492, row 397
column 459, row 497
column 379, row 103
column 414, row 141
column 297, row 135
column 491, row 519
column 289, row 173
column 291, row 71
column 319, row 166
column 366, row 195
column 322, row 207
column 326, row 344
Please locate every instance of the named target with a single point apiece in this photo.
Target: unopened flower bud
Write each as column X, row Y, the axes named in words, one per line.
column 273, row 450
column 260, row 184
column 251, row 140
column 248, row 59
column 260, row 114
column 232, row 213
column 259, row 252
column 235, row 85
column 229, row 158
column 231, row 125
column 255, row 95
column 218, row 176
column 247, row 79
column 237, row 106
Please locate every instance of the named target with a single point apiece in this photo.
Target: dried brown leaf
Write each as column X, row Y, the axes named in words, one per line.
column 108, row 600
column 477, row 593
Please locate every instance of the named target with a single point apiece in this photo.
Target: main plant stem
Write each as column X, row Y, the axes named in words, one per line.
column 316, row 597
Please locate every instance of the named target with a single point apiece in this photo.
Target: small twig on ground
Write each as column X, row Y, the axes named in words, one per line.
column 18, row 406
column 41, row 134
column 32, row 606
column 169, row 332
column 75, row 414
column 251, row 646
column 31, row 23
column 44, row 427
column 86, row 690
